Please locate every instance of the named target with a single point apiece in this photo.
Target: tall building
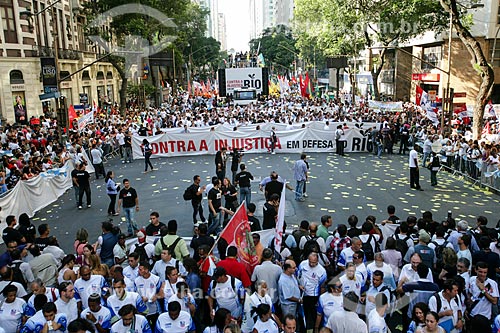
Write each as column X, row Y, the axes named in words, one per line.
column 269, row 13
column 284, row 12
column 25, row 38
column 256, row 18
column 222, row 38
column 212, row 18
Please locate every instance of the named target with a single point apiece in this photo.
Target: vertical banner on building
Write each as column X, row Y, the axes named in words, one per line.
column 49, row 74
column 20, row 112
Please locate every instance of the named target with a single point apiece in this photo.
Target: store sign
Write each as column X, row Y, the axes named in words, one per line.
column 17, row 87
column 49, row 74
column 65, row 84
column 425, row 77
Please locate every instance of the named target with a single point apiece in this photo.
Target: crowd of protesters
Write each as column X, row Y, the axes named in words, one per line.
column 438, row 276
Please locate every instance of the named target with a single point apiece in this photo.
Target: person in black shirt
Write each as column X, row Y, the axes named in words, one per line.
column 243, row 179
column 197, row 196
column 83, row 181
column 214, row 205
column 43, row 241
column 254, row 222
column 220, row 163
column 75, row 182
column 10, row 233
column 271, row 212
column 153, row 229
column 273, row 187
column 235, row 161
column 147, row 152
column 128, row 196
column 128, row 148
column 201, row 239
column 26, row 228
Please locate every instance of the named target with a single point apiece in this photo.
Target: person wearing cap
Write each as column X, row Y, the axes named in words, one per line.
column 225, row 292
column 426, row 252
column 141, row 243
column 98, row 315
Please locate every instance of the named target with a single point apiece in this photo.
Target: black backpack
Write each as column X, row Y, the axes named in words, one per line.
column 401, row 244
column 368, row 249
column 188, row 194
column 17, row 274
column 171, row 248
column 140, row 249
column 438, row 251
column 310, row 246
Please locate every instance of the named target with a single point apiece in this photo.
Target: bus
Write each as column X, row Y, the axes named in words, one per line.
column 244, row 96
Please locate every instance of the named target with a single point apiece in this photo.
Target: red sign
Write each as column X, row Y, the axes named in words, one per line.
column 459, row 95
column 425, row 77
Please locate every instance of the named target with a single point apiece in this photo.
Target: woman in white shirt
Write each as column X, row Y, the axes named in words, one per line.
column 258, row 297
column 169, row 286
column 222, row 318
column 11, row 310
column 265, row 323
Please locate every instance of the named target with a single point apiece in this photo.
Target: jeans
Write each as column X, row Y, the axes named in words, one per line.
column 414, row 178
column 128, row 154
column 299, row 189
column 197, row 208
column 147, row 162
column 380, row 149
column 112, row 204
column 110, row 262
column 99, row 170
column 77, row 193
column 434, row 178
column 129, row 213
column 245, row 195
column 426, row 156
column 214, row 223
column 289, row 309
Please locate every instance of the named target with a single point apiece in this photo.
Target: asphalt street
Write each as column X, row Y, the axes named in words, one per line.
column 358, row 183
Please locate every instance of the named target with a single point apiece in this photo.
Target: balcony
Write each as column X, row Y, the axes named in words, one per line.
column 44, row 51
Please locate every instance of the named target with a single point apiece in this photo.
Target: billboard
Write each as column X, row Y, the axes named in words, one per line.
column 49, row 74
column 234, row 78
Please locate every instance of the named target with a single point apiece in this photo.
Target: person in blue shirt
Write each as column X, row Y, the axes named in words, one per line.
column 46, row 320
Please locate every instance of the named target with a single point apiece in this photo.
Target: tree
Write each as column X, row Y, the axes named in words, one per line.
column 188, row 17
column 277, row 45
column 347, row 27
column 478, row 61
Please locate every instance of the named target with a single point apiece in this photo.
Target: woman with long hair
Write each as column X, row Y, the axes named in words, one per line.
column 418, row 317
column 96, row 267
column 147, row 151
column 84, row 258
column 222, row 318
column 66, row 272
column 112, row 189
column 431, row 324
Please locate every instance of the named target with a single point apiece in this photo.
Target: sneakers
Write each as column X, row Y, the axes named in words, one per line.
column 88, row 206
column 115, row 214
column 300, row 199
column 80, row 207
column 305, row 195
column 273, row 153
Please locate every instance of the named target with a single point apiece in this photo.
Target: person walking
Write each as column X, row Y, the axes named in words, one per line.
column 83, row 180
column 196, row 198
column 96, row 154
column 243, row 179
column 130, row 201
column 300, row 176
column 112, row 189
column 434, row 166
column 127, row 146
column 339, row 143
column 147, row 151
column 274, row 139
column 414, row 172
column 220, row 163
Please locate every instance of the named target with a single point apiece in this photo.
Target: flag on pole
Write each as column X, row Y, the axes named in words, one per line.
column 280, row 223
column 418, row 95
column 237, row 233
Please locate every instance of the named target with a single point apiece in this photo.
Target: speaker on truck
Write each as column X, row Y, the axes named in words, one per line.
column 222, row 82
column 265, row 81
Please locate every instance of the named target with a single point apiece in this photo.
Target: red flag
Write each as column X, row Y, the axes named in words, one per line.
column 308, row 88
column 189, row 88
column 237, row 233
column 418, row 95
column 71, row 116
column 486, row 129
column 302, row 86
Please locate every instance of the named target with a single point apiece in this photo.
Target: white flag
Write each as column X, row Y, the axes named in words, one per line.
column 281, row 221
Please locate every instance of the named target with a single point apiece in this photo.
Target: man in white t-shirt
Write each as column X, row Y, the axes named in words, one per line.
column 228, row 291
column 175, row 320
column 447, row 306
column 483, row 293
column 414, row 171
column 130, row 322
column 376, row 321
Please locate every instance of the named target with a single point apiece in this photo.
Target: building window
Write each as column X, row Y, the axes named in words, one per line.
column 8, row 21
column 16, row 77
column 100, row 75
column 496, row 54
column 86, row 76
column 432, row 55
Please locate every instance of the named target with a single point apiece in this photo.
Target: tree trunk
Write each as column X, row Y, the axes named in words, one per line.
column 123, row 89
column 376, row 73
column 479, row 63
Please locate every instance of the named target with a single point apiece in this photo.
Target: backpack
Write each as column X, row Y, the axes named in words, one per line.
column 438, row 251
column 171, row 247
column 140, row 249
column 188, row 194
column 368, row 249
column 213, row 284
column 401, row 244
column 310, row 246
column 17, row 274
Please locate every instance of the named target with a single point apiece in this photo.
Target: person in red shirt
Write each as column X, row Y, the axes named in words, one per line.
column 235, row 268
column 204, row 266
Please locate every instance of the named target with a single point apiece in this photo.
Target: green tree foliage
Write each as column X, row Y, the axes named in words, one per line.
column 347, row 27
column 277, row 45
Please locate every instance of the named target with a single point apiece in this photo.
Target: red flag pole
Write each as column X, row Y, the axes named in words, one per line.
column 222, row 232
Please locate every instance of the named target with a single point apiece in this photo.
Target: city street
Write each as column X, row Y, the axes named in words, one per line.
column 359, row 184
